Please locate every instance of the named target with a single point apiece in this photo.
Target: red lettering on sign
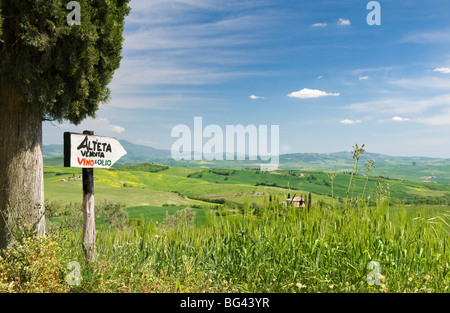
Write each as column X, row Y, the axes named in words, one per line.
column 85, row 162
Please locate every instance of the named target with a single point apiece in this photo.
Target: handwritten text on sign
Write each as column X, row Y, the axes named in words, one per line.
column 90, row 151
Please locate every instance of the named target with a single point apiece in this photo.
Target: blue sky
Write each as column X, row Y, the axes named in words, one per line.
column 315, row 68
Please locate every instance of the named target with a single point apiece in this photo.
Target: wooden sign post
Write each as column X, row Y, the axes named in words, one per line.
column 88, row 211
column 88, row 152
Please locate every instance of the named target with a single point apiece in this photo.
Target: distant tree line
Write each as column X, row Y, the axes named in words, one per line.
column 225, row 172
column 144, row 167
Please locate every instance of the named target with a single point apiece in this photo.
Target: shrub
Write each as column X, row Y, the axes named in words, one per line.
column 53, row 208
column 181, row 218
column 113, row 213
column 224, row 172
column 30, row 263
column 33, row 266
column 73, row 219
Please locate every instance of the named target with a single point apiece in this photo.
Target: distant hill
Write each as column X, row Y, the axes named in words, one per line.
column 345, row 159
column 141, row 153
column 421, row 169
column 53, row 151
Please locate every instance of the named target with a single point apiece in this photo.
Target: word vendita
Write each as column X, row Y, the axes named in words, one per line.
column 190, row 145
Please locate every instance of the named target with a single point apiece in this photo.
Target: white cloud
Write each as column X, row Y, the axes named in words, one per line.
column 351, row 122
column 253, row 97
column 100, row 126
column 117, row 129
column 422, row 83
column 344, row 22
column 105, row 125
column 311, row 93
column 439, row 37
column 442, row 119
column 400, row 106
column 154, row 102
column 381, row 69
column 319, row 25
column 400, row 119
column 166, row 41
column 232, row 31
column 158, row 12
column 140, row 70
column 443, row 70
column 363, row 77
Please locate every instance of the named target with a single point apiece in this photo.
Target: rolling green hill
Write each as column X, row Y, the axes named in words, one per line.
column 418, row 169
column 179, row 185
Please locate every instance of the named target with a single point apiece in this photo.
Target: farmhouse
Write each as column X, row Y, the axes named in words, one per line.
column 297, row 202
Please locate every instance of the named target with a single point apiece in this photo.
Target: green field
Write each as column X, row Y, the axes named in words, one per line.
column 144, row 192
column 137, row 188
column 241, row 239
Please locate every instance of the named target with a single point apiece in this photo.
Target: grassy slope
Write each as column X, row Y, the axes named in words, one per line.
column 408, row 168
column 319, row 183
column 155, row 189
column 107, row 187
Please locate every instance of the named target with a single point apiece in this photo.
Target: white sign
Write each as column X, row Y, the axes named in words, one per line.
column 89, row 151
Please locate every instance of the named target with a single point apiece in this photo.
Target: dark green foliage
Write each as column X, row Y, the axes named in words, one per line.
column 54, row 208
column 213, row 201
column 195, row 175
column 145, row 167
column 73, row 217
column 266, row 183
column 113, row 213
column 62, row 69
column 221, row 171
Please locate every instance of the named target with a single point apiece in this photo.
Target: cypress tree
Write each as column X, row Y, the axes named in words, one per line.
column 49, row 70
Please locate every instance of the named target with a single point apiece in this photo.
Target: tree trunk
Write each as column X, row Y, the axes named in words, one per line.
column 21, row 165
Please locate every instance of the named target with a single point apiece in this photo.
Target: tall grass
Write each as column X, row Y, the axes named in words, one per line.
column 285, row 250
